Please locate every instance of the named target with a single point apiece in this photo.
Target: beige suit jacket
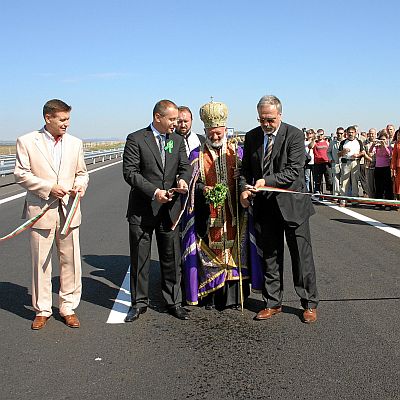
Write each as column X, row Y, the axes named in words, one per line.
column 35, row 171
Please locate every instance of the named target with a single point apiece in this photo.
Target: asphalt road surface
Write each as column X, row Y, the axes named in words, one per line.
column 352, row 352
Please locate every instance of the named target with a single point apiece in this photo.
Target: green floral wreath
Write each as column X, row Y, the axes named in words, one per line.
column 217, row 195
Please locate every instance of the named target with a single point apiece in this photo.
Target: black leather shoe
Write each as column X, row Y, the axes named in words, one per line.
column 134, row 313
column 179, row 312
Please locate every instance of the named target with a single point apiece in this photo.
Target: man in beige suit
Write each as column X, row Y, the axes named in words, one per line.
column 51, row 167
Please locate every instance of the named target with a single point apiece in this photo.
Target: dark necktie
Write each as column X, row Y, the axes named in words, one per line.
column 267, row 154
column 187, row 144
column 161, row 142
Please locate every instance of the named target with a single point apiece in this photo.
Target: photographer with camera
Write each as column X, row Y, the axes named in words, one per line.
column 383, row 180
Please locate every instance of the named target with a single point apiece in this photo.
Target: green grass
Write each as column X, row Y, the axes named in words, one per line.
column 92, row 146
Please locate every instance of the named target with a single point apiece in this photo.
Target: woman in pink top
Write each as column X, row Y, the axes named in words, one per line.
column 395, row 165
column 382, row 176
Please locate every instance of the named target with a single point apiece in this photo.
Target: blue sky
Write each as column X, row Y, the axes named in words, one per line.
column 330, row 62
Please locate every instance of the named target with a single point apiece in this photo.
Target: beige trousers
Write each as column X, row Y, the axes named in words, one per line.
column 350, row 175
column 69, row 257
column 335, row 176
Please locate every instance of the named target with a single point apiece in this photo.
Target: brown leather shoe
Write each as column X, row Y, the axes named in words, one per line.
column 72, row 321
column 310, row 315
column 39, row 322
column 268, row 313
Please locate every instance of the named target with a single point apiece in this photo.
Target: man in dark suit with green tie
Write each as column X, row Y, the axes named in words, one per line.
column 156, row 167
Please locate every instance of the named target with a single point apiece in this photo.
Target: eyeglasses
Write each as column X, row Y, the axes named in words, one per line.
column 264, row 120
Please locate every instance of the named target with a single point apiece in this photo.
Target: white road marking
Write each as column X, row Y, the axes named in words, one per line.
column 104, row 166
column 122, row 302
column 363, row 218
column 19, row 195
column 11, row 198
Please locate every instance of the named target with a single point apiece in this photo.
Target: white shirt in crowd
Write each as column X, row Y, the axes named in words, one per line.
column 353, row 146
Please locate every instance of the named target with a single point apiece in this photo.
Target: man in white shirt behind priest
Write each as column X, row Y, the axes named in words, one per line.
column 184, row 128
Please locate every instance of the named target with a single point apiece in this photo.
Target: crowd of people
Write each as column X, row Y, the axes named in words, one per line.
column 353, row 163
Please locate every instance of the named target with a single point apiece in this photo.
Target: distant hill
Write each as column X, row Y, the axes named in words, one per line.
column 7, row 143
column 94, row 140
column 103, row 140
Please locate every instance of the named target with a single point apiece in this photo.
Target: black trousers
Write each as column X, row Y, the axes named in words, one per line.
column 370, row 182
column 363, row 179
column 273, row 229
column 322, row 170
column 383, row 183
column 168, row 244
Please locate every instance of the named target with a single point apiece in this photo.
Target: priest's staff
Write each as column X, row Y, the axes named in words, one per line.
column 238, row 225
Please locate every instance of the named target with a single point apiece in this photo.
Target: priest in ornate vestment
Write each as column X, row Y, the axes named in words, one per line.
column 210, row 241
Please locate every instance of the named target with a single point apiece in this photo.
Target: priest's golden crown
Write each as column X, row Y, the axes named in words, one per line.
column 214, row 114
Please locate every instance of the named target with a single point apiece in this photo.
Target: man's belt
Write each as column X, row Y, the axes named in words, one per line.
column 348, row 160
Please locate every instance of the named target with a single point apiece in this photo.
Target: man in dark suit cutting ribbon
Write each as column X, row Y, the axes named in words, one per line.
column 274, row 156
column 156, row 167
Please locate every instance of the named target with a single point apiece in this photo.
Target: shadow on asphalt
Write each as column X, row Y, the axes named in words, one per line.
column 110, row 267
column 16, row 300
column 93, row 291
column 113, row 268
column 360, row 299
column 255, row 305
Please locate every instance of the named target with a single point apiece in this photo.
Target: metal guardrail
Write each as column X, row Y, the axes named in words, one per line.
column 7, row 164
column 101, row 156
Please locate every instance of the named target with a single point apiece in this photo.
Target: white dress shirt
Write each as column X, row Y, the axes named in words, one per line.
column 54, row 147
column 191, row 142
column 163, row 137
column 157, row 135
